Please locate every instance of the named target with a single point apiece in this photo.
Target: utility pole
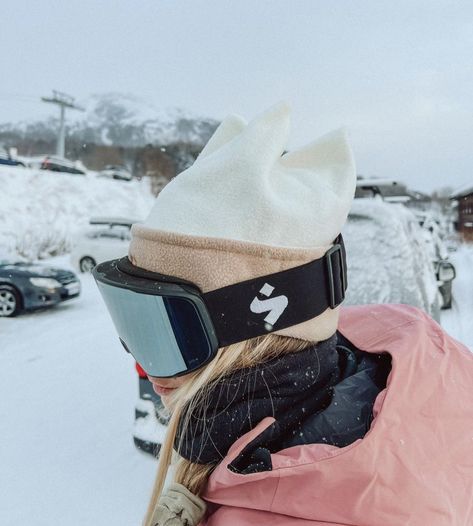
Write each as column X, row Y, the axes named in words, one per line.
column 63, row 101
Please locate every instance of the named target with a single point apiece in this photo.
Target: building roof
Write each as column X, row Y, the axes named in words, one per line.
column 462, row 191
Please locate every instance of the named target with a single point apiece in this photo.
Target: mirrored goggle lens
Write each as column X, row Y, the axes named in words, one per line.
column 165, row 334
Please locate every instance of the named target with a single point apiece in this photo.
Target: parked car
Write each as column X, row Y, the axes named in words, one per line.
column 27, row 286
column 116, row 172
column 150, row 417
column 106, row 238
column 56, row 164
column 387, row 257
column 6, row 158
column 439, row 255
column 436, row 237
column 446, row 273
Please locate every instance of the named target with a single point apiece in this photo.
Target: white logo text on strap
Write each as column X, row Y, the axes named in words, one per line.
column 274, row 306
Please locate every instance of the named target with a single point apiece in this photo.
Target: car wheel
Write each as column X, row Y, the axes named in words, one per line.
column 86, row 264
column 10, row 301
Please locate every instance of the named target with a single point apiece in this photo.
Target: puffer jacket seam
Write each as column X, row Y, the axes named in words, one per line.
column 379, row 338
column 276, row 490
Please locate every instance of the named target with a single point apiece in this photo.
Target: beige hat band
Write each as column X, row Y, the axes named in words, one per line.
column 213, row 263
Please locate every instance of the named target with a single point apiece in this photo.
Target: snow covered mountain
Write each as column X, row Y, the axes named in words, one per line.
column 117, row 120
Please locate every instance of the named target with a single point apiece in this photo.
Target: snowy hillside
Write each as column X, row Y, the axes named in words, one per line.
column 41, row 211
column 118, row 119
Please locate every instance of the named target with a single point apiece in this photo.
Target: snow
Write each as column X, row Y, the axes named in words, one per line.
column 385, row 241
column 41, row 212
column 121, row 119
column 148, row 428
column 68, row 393
column 463, row 190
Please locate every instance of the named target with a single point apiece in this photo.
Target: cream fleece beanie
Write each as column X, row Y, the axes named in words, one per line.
column 244, row 209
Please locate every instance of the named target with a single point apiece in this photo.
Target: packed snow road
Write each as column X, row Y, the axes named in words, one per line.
column 67, row 407
column 68, row 393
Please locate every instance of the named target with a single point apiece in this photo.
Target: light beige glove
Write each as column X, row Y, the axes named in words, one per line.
column 178, row 507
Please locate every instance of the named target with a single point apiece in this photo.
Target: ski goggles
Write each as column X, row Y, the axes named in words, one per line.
column 172, row 328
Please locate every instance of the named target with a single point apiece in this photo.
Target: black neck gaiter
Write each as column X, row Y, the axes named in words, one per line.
column 289, row 388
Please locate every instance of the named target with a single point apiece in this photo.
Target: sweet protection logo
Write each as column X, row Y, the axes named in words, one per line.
column 274, row 306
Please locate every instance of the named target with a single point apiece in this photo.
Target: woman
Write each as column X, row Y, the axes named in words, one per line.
column 229, row 300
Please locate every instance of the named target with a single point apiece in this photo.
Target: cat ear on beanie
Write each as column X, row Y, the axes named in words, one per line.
column 228, row 129
column 265, row 138
column 330, row 160
column 223, row 195
column 244, row 209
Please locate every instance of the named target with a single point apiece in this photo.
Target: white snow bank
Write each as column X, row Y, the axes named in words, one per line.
column 67, row 413
column 42, row 211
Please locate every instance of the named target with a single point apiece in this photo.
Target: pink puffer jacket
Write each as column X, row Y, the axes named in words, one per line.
column 413, row 468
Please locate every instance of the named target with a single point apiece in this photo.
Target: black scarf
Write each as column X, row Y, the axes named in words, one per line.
column 289, row 388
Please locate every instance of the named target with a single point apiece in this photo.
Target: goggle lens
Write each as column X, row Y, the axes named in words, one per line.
column 165, row 335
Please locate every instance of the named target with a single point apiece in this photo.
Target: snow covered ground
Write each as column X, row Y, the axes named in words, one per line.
column 67, row 394
column 42, row 211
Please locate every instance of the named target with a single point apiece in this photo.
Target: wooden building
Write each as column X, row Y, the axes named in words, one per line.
column 464, row 224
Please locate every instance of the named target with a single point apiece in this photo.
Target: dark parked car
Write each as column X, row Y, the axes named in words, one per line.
column 438, row 252
column 445, row 275
column 150, row 418
column 58, row 164
column 27, row 286
column 6, row 158
column 116, row 172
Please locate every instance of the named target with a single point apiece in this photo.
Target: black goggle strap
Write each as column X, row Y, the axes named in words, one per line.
column 277, row 301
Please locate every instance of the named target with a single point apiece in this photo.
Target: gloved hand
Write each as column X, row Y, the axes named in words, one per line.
column 178, row 507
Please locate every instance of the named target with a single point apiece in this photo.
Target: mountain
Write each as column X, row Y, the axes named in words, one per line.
column 115, row 119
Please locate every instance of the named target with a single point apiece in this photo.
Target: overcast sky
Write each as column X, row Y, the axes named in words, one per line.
column 398, row 74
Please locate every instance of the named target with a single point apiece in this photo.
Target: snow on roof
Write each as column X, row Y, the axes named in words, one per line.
column 462, row 191
column 397, row 198
column 373, row 181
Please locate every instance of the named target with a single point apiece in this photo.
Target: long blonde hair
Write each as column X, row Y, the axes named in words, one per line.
column 192, row 395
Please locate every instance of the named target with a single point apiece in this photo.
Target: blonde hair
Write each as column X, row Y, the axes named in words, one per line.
column 192, row 395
